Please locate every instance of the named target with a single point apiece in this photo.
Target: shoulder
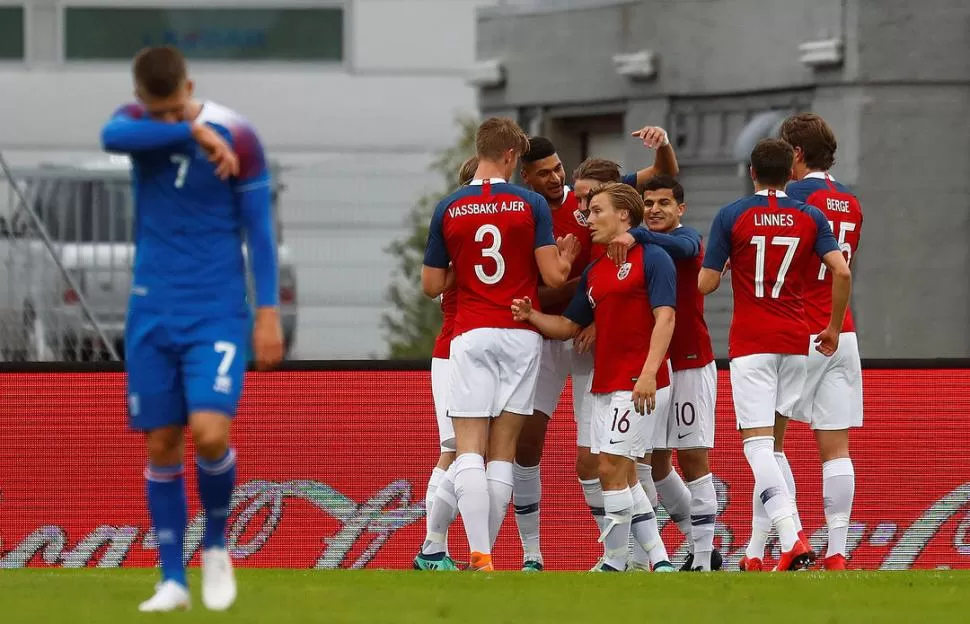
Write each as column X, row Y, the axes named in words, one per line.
column 133, row 110
column 655, row 256
column 801, row 189
column 530, row 197
column 728, row 214
column 238, row 127
column 688, row 232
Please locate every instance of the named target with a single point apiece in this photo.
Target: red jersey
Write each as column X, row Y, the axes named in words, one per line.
column 489, row 230
column 449, row 310
column 569, row 219
column 844, row 215
column 620, row 300
column 770, row 239
column 691, row 345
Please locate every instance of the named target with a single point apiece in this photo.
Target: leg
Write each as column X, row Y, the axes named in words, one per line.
column 781, row 428
column 471, row 485
column 619, row 506
column 502, row 442
column 838, row 491
column 671, row 490
column 646, row 531
column 527, row 487
column 703, row 505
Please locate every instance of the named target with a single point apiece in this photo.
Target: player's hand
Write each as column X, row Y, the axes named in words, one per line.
column 522, row 309
column 645, row 394
column 267, row 338
column 569, row 247
column 583, row 342
column 652, row 136
column 219, row 151
column 827, row 342
column 618, row 248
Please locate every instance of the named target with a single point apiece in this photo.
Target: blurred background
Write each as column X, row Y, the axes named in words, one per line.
column 366, row 107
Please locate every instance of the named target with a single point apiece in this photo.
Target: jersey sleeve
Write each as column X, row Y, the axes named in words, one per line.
column 128, row 131
column 253, row 172
column 719, row 242
column 797, row 190
column 660, row 277
column 682, row 242
column 824, row 238
column 630, row 179
column 543, row 219
column 435, row 253
column 579, row 310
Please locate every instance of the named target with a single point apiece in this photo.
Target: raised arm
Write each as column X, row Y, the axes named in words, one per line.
column 665, row 160
column 129, row 132
column 554, row 258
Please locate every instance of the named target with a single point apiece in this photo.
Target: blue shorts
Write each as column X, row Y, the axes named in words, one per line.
column 180, row 365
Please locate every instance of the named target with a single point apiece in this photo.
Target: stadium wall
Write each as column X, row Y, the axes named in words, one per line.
column 334, row 458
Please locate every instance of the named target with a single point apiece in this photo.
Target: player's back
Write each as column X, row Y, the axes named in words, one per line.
column 690, row 346
column 772, row 242
column 842, row 210
column 188, row 228
column 489, row 230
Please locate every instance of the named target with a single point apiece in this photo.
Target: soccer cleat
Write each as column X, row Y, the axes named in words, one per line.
column 532, row 565
column 636, row 566
column 602, row 566
column 218, row 581
column 169, row 596
column 751, row 564
column 717, row 562
column 812, row 555
column 663, row 567
column 835, row 562
column 598, row 563
column 797, row 558
column 480, row 562
column 440, row 561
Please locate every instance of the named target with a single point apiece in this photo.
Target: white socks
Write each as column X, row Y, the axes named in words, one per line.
column 675, row 497
column 499, row 477
column 786, row 473
column 703, row 517
column 760, row 528
column 645, row 477
column 471, row 490
column 838, row 490
column 526, row 494
column 769, row 485
column 616, row 536
column 644, row 526
column 442, row 509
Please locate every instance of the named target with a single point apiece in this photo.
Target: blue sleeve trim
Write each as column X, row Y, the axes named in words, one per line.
column 435, row 253
column 630, row 179
column 579, row 310
column 719, row 242
column 660, row 277
column 680, row 243
column 825, row 241
column 543, row 218
column 126, row 132
column 257, row 214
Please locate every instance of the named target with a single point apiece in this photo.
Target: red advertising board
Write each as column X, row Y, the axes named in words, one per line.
column 333, row 467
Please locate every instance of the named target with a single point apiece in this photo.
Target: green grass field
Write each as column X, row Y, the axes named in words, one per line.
column 290, row 596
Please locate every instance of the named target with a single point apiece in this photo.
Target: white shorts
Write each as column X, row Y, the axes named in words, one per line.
column 493, row 371
column 690, row 421
column 558, row 362
column 765, row 383
column 618, row 429
column 583, row 406
column 439, row 390
column 832, row 398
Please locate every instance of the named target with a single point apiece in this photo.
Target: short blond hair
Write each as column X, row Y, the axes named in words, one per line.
column 622, row 197
column 497, row 135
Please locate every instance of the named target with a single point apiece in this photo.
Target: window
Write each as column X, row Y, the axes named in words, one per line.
column 11, row 33
column 207, row 34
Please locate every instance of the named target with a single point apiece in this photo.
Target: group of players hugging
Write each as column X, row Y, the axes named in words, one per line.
column 602, row 283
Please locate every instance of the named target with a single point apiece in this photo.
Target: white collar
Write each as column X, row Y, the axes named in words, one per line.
column 480, row 181
column 818, row 175
column 764, row 193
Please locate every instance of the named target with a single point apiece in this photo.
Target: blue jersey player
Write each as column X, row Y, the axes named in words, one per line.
column 201, row 190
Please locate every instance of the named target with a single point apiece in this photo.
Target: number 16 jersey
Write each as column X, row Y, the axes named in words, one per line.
column 489, row 230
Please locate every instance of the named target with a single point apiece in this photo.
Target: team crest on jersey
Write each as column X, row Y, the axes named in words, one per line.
column 580, row 217
column 624, row 270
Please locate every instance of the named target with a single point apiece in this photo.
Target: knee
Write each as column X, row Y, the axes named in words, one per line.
column 528, row 450
column 210, row 444
column 586, row 465
column 661, row 464
column 165, row 446
column 694, row 463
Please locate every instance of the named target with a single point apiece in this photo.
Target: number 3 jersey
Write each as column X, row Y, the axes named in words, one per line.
column 489, row 230
column 770, row 240
column 621, row 300
column 841, row 209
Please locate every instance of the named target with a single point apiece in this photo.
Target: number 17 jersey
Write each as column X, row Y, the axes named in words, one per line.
column 489, row 230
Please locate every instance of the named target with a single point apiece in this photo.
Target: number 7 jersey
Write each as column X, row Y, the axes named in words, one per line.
column 770, row 239
column 489, row 230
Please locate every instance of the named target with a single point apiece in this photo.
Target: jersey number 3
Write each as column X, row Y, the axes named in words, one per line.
column 492, row 251
column 790, row 243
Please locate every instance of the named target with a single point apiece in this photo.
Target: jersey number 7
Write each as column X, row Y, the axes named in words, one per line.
column 791, row 244
column 492, row 251
column 183, row 163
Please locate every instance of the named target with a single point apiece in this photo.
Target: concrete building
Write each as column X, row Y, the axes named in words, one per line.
column 353, row 97
column 892, row 77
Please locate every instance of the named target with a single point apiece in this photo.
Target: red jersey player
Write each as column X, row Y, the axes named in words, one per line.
column 498, row 237
column 832, row 400
column 689, row 425
column 633, row 307
column 770, row 240
column 543, row 171
column 440, row 509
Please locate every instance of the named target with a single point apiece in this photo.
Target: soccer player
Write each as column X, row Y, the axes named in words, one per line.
column 499, row 239
column 188, row 317
column 689, row 425
column 439, row 500
column 543, row 172
column 769, row 239
column 832, row 399
column 633, row 307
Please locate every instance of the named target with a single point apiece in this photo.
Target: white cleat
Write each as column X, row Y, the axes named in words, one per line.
column 218, row 581
column 169, row 596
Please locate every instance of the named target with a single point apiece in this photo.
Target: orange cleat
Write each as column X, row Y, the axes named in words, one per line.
column 480, row 562
column 795, row 559
column 835, row 562
column 812, row 555
column 752, row 564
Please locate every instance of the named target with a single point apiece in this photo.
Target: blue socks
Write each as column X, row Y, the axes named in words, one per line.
column 165, row 489
column 217, row 479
